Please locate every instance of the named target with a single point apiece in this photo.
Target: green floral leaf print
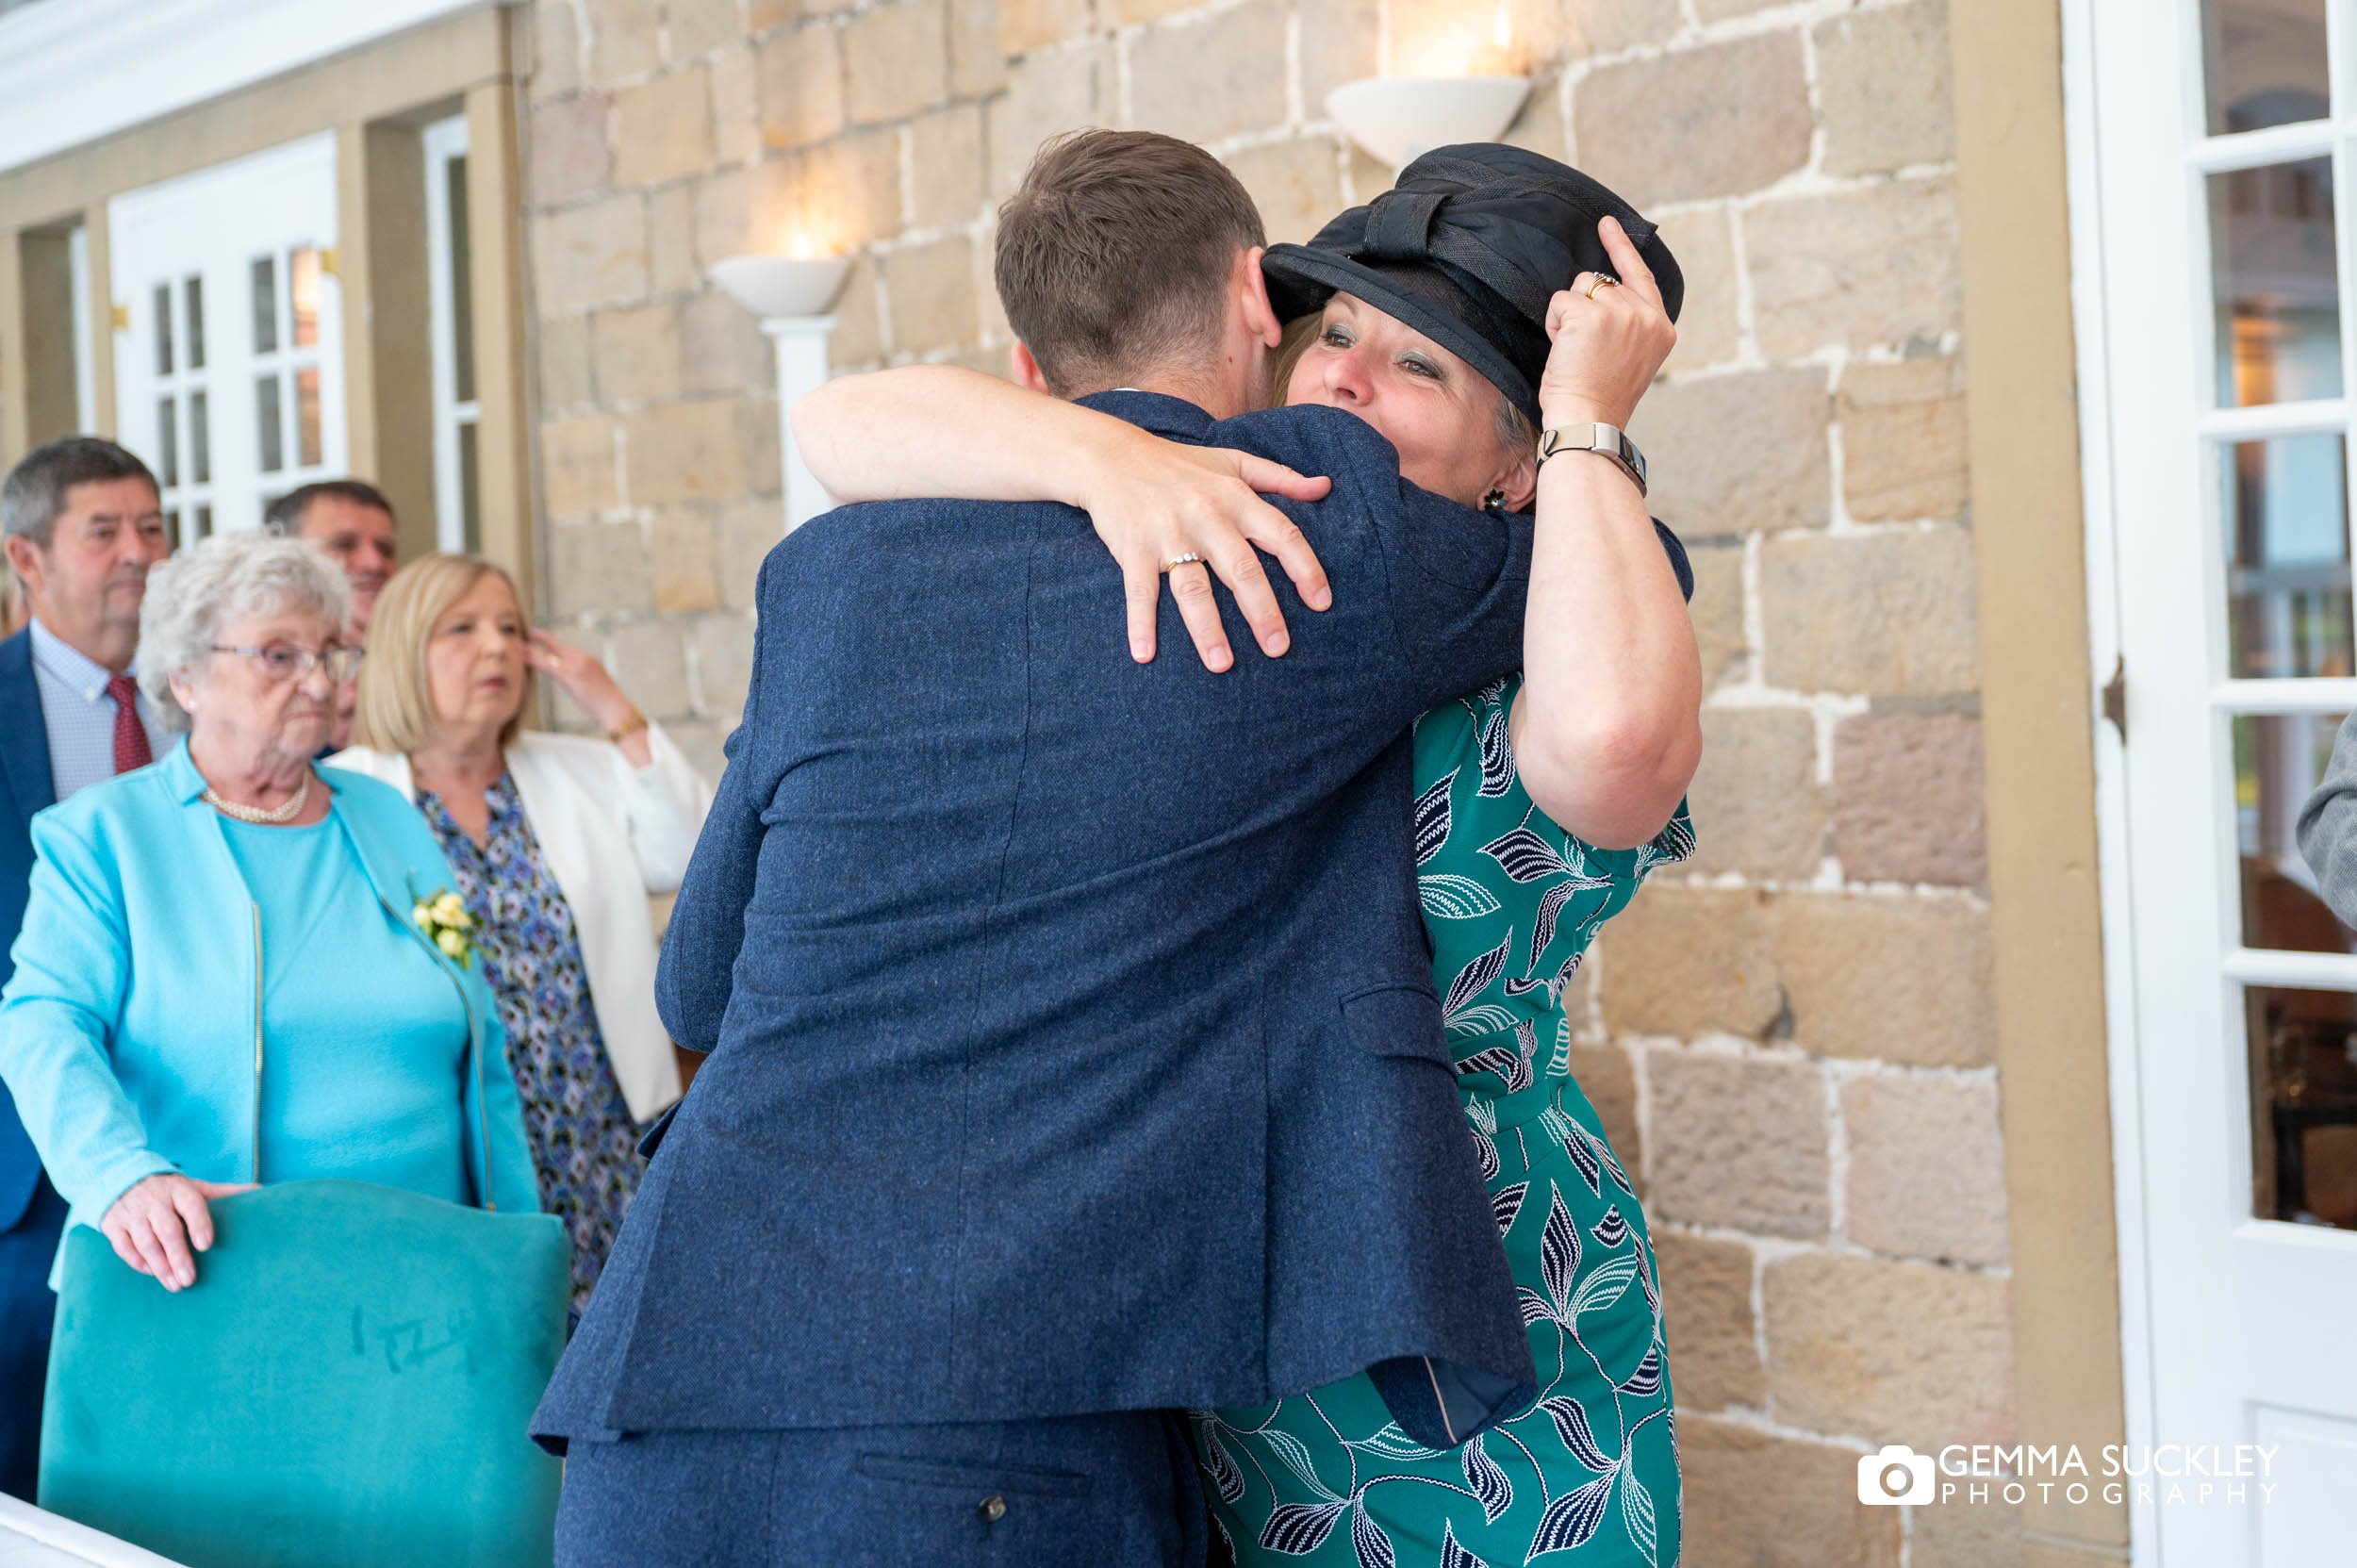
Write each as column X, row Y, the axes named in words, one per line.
column 1488, row 1479
column 1636, row 1512
column 1506, row 1205
column 1473, row 978
column 1296, row 1453
column 1368, row 1541
column 1607, row 1284
column 1572, row 1519
column 1558, row 1255
column 1612, row 1229
column 1489, row 1018
column 1393, row 1443
column 1561, row 1065
column 1433, row 816
column 1571, row 1425
column 1453, row 1554
column 1449, row 897
column 1645, row 1381
column 1296, row 1529
column 1226, row 1480
column 1497, row 757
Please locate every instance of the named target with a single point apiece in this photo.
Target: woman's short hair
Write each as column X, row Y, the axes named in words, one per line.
column 239, row 573
column 396, row 711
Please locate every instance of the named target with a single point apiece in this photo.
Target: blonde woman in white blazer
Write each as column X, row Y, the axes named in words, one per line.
column 556, row 842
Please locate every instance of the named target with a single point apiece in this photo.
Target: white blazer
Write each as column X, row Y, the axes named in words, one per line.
column 612, row 834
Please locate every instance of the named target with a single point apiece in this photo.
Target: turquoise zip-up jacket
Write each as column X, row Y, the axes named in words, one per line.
column 132, row 1034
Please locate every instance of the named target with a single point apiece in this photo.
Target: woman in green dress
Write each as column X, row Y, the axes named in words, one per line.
column 1543, row 801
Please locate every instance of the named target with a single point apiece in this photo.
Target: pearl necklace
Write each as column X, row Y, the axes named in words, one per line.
column 287, row 813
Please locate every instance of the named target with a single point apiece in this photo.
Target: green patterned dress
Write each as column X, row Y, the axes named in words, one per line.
column 1589, row 1476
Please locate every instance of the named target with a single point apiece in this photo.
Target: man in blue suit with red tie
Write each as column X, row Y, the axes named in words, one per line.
column 81, row 523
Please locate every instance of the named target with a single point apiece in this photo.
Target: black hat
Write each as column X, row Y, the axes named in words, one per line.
column 1468, row 248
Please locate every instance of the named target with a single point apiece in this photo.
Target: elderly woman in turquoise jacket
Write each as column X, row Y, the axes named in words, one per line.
column 231, row 970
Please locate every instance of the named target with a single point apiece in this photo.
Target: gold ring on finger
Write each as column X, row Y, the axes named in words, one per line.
column 1189, row 559
column 1603, row 280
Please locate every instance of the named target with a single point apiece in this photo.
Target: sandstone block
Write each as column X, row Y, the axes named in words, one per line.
column 720, row 347
column 1128, row 13
column 1297, row 185
column 1739, row 454
column 1773, row 1502
column 896, row 59
column 578, row 471
column 624, row 37
column 570, row 154
column 636, row 352
column 585, row 257
column 1027, row 24
column 931, row 290
column 724, row 662
column 1703, row 239
column 976, row 66
column 1877, row 265
column 1217, row 77
column 685, row 452
column 1706, row 1307
column 1871, row 129
column 1722, row 120
column 1900, row 979
column 1757, row 804
column 685, row 561
column 1539, row 125
column 858, row 338
column 1890, row 1352
column 1606, row 1076
column 735, row 105
column 1883, row 613
column 850, row 187
column 1689, row 960
column 745, row 532
column 1602, row 26
column 1718, row 612
column 663, row 129
column 655, row 662
column 1902, row 439
column 758, row 208
column 756, row 416
column 1980, row 1535
column 1908, row 798
column 598, row 569
column 699, row 27
column 1442, row 37
column 1927, row 1168
column 1046, row 93
column 800, row 76
column 946, row 178
column 555, row 52
column 671, row 238
column 1339, row 40
column 1738, row 1142
column 564, row 355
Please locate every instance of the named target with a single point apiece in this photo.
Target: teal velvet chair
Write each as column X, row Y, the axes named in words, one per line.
column 346, row 1385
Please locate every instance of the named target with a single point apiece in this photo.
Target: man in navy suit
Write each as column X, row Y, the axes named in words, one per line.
column 1074, row 1054
column 82, row 524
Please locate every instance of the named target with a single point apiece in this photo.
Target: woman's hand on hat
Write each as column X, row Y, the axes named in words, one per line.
column 1163, row 500
column 1610, row 341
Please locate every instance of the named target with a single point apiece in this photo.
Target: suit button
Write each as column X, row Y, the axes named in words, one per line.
column 994, row 1508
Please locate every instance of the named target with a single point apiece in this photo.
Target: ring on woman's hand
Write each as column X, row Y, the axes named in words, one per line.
column 1189, row 559
column 1603, row 280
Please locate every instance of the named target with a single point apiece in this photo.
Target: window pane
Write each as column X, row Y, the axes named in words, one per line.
column 2279, row 759
column 470, row 491
column 167, row 443
column 204, row 523
column 265, row 305
column 461, row 285
column 2288, row 595
column 303, row 294
column 163, row 329
column 194, row 290
column 2278, row 323
column 2266, row 61
column 308, row 418
column 200, row 439
column 266, row 425
column 2304, row 1104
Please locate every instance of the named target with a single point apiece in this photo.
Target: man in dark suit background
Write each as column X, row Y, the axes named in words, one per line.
column 81, row 523
column 1074, row 1051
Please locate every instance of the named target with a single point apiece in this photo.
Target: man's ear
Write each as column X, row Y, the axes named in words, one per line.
column 25, row 560
column 1026, row 371
column 1259, row 314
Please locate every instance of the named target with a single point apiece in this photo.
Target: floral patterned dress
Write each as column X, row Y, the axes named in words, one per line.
column 1588, row 1477
column 583, row 1143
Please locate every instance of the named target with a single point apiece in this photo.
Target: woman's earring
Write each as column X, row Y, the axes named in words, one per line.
column 1494, row 501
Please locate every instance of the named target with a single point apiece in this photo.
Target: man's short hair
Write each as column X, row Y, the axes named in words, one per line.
column 35, row 495
column 1114, row 256
column 285, row 515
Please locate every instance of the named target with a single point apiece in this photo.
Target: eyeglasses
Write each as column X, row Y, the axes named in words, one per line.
column 291, row 661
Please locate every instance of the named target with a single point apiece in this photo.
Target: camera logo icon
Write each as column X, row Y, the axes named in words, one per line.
column 1895, row 1474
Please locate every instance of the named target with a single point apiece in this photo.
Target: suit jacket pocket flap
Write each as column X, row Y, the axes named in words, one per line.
column 1398, row 1021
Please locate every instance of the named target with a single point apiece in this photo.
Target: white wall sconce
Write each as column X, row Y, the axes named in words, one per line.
column 794, row 296
column 1399, row 119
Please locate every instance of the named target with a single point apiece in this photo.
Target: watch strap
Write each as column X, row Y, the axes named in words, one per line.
column 1605, row 440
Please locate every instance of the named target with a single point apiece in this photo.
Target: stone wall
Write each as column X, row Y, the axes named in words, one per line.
column 1793, row 1040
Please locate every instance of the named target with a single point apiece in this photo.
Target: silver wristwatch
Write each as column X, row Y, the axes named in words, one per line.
column 1605, row 440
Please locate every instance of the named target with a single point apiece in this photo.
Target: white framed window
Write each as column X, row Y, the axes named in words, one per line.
column 458, row 524
column 229, row 373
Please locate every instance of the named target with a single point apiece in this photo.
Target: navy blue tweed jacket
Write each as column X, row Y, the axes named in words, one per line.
column 1073, row 1040
column 26, row 787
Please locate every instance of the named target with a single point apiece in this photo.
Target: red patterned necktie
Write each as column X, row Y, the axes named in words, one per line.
column 130, row 735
